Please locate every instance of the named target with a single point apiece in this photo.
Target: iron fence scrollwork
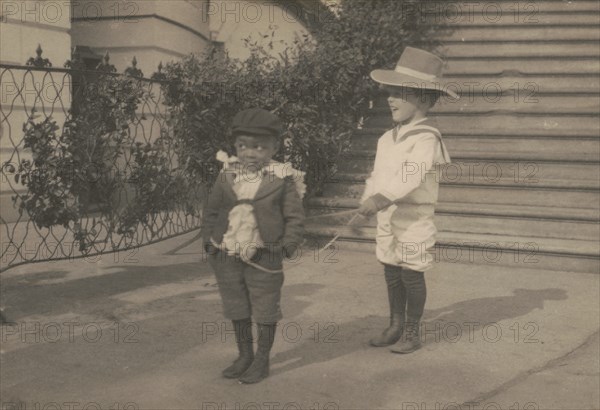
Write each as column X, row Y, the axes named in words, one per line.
column 89, row 162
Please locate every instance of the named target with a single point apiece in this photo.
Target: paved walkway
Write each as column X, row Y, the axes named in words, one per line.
column 144, row 330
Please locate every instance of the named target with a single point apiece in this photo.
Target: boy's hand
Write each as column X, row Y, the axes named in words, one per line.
column 289, row 251
column 374, row 204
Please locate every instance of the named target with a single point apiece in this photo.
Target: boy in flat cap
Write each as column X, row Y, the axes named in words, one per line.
column 403, row 190
column 253, row 219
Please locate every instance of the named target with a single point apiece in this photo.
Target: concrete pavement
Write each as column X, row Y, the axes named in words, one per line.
column 143, row 329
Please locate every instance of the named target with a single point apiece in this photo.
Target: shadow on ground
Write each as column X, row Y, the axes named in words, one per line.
column 23, row 296
column 352, row 336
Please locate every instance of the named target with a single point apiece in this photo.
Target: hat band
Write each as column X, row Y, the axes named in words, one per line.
column 415, row 73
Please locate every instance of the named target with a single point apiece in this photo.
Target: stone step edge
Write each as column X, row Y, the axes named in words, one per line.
column 500, row 111
column 545, row 1
column 520, row 109
column 478, row 92
column 435, row 114
column 481, row 182
column 522, row 157
column 522, row 57
column 541, row 213
column 512, row 74
column 510, row 92
column 507, row 22
column 366, row 131
column 548, row 246
column 450, row 42
column 512, row 25
column 379, row 131
column 516, row 72
column 508, row 157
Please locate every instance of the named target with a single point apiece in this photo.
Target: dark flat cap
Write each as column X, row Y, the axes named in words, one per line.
column 258, row 122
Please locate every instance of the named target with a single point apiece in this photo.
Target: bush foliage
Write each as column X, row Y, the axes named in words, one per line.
column 319, row 86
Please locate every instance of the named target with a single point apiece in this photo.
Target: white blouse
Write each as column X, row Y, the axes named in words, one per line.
column 243, row 236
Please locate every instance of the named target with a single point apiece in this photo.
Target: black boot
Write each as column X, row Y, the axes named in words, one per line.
column 416, row 295
column 410, row 340
column 390, row 335
column 397, row 302
column 243, row 338
column 259, row 369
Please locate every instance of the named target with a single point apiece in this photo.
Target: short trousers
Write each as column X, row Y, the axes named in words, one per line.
column 247, row 291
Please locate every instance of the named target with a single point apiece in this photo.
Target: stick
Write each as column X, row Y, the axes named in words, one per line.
column 337, row 235
column 199, row 235
column 184, row 245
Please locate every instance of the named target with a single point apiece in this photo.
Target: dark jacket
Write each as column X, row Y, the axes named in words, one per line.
column 277, row 208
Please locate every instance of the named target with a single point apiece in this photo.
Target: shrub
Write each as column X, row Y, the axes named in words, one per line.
column 84, row 168
column 73, row 170
column 319, row 86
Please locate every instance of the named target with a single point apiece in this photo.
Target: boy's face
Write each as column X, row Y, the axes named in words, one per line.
column 255, row 151
column 405, row 103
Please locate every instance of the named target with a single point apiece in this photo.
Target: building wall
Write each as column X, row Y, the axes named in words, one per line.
column 151, row 30
column 24, row 25
column 233, row 21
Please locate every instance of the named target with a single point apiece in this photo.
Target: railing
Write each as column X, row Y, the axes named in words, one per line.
column 89, row 164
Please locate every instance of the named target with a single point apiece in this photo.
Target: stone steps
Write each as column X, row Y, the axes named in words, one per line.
column 496, row 15
column 559, row 193
column 522, row 65
column 321, row 204
column 554, row 245
column 522, row 148
column 522, row 32
column 528, row 9
column 503, row 172
column 461, row 219
column 545, row 84
column 524, row 139
column 504, row 124
column 536, row 49
column 502, row 250
column 495, row 100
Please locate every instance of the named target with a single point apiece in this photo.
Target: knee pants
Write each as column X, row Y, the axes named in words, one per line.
column 247, row 291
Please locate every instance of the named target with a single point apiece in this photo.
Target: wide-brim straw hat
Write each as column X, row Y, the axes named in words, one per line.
column 415, row 69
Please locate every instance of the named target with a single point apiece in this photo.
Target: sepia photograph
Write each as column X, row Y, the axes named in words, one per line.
column 299, row 205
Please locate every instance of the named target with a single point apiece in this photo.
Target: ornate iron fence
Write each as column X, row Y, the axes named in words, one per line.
column 89, row 163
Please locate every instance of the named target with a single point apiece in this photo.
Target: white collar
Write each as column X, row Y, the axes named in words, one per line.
column 278, row 169
column 399, row 130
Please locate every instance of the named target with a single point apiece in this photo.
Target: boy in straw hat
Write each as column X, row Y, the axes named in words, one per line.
column 253, row 219
column 403, row 189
